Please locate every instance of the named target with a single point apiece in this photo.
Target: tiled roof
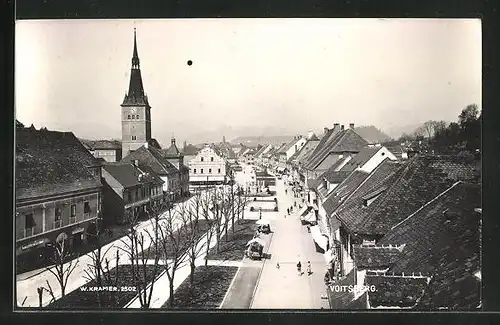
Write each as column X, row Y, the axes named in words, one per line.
column 50, row 163
column 421, row 180
column 329, row 160
column 352, row 212
column 306, row 150
column 360, row 158
column 172, row 151
column 153, row 158
column 332, row 175
column 190, row 150
column 344, row 141
column 395, row 291
column 102, row 144
column 375, row 257
column 342, row 192
column 287, row 146
column 443, row 239
column 129, row 176
column 312, row 183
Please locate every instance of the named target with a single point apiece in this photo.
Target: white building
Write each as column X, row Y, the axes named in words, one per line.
column 209, row 167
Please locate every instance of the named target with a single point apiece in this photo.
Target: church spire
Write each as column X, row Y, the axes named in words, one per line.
column 135, row 95
column 135, row 56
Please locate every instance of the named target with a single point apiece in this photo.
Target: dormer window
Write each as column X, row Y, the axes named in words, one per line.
column 369, row 198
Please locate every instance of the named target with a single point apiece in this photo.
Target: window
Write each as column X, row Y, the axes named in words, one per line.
column 210, row 170
column 201, row 171
column 134, row 137
column 137, row 117
column 129, row 197
column 211, row 158
column 57, row 214
column 219, row 171
column 194, row 171
column 73, row 210
column 202, row 160
column 86, row 207
column 133, row 117
column 29, row 221
column 129, row 117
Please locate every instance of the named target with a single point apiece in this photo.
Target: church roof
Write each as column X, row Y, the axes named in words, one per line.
column 135, row 95
column 172, row 151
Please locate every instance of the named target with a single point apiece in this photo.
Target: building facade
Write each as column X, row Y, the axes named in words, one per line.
column 129, row 187
column 209, row 167
column 58, row 192
column 110, row 151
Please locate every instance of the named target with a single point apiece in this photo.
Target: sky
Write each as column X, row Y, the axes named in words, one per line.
column 290, row 74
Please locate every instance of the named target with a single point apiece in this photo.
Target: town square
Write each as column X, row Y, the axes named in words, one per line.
column 244, row 184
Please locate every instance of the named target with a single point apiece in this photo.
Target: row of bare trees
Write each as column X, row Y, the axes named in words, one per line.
column 173, row 238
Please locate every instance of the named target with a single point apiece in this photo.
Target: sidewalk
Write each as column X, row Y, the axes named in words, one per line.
column 26, row 287
column 283, row 287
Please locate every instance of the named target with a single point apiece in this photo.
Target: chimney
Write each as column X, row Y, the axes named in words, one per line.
column 351, row 125
column 342, row 128
column 310, row 134
column 325, row 130
column 336, row 125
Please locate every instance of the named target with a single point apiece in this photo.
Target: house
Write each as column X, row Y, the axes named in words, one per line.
column 391, row 193
column 302, row 155
column 287, row 151
column 336, row 144
column 189, row 151
column 209, row 167
column 264, row 179
column 58, row 192
column 129, row 187
column 176, row 158
column 431, row 259
column 154, row 158
column 109, row 150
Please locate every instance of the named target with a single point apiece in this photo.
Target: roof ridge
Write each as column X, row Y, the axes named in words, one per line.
column 423, row 206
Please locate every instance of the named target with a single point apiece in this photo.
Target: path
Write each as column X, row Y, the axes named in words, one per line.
column 283, row 287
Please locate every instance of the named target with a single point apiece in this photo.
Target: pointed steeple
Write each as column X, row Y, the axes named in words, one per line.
column 135, row 56
column 135, row 95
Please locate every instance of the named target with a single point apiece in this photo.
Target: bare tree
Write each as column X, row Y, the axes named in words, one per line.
column 191, row 216
column 205, row 210
column 173, row 245
column 61, row 269
column 217, row 216
column 136, row 247
column 95, row 269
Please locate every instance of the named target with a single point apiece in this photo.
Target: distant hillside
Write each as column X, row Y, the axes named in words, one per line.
column 397, row 131
column 371, row 134
column 253, row 141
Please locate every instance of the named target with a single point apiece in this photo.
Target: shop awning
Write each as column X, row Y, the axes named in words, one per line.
column 318, row 237
column 310, row 217
column 329, row 256
column 303, row 211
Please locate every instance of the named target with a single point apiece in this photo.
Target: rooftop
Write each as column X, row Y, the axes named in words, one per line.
column 50, row 163
column 153, row 158
column 129, row 175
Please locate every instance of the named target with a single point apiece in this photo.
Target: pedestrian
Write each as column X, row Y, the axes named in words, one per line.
column 295, row 203
column 309, row 271
column 299, row 268
column 308, row 229
column 288, row 210
column 278, row 265
column 286, row 191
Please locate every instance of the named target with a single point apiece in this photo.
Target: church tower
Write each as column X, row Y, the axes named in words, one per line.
column 136, row 112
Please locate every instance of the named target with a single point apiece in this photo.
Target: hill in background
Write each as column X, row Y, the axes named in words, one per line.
column 372, row 134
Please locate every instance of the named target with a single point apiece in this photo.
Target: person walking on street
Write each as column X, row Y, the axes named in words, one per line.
column 288, row 210
column 286, row 191
column 308, row 229
column 278, row 265
column 309, row 271
column 299, row 268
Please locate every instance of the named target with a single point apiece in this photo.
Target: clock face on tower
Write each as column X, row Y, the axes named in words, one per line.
column 133, row 110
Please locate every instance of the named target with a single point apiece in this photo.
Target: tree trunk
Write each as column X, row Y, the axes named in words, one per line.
column 171, row 298
column 191, row 275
